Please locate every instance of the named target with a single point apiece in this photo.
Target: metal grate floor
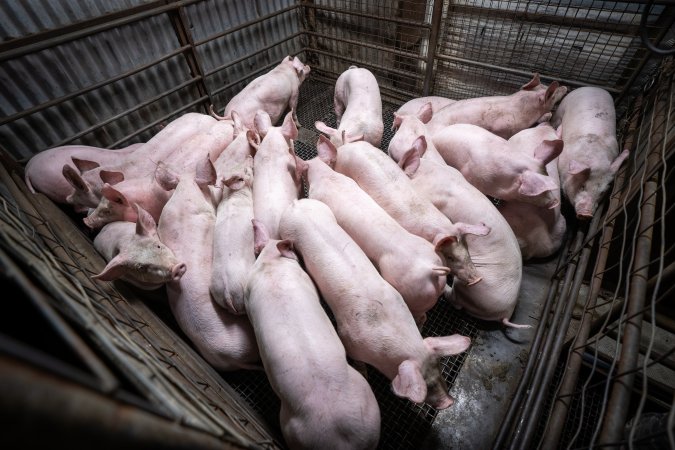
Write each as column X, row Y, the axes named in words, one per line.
column 405, row 425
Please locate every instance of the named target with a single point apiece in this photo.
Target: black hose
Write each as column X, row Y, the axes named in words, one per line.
column 645, row 39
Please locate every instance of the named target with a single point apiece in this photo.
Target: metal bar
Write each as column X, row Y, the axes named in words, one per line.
column 184, row 36
column 412, row 23
column 56, row 101
column 366, row 44
column 367, row 64
column 523, row 73
column 77, row 417
column 245, row 57
column 436, row 17
column 246, row 25
column 560, row 408
column 128, row 111
column 522, row 389
column 551, row 357
column 617, row 407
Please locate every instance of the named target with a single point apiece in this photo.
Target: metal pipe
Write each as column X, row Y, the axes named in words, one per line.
column 555, row 341
column 79, row 418
column 523, row 73
column 560, row 408
column 411, row 23
column 540, row 335
column 617, row 407
column 371, row 65
column 56, row 101
column 383, row 48
column 436, row 17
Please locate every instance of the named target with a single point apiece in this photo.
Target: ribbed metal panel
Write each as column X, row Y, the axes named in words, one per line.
column 21, row 18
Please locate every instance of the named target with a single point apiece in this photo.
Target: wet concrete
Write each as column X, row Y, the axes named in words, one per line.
column 490, row 374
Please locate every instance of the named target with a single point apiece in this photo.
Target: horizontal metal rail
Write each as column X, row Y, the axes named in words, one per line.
column 398, row 20
column 367, row 45
column 402, row 73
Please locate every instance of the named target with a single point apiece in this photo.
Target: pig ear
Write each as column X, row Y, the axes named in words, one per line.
column 301, row 167
column 409, row 382
column 84, row 164
column 547, row 151
column 550, row 92
column 298, row 65
column 288, row 128
column 397, row 121
column 74, row 179
column 260, row 236
column 116, row 268
column 327, row 151
column 322, row 127
column 533, row 184
column 206, row 173
column 534, row 82
column 579, row 171
column 165, row 177
column 145, row 224
column 111, row 177
column 253, row 139
column 616, row 164
column 410, row 161
column 425, row 113
column 441, row 240
column 447, row 345
column 262, row 123
column 113, row 195
column 236, row 120
column 476, row 230
column 285, row 247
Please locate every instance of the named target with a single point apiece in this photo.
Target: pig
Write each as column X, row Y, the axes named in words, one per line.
column 502, row 115
column 276, row 183
column 358, row 108
column 496, row 256
column 408, row 262
column 372, row 318
column 273, row 92
column 42, row 171
column 540, row 231
column 413, row 106
column 90, row 179
column 591, row 158
column 116, row 201
column 325, row 403
column 136, row 255
column 486, row 162
column 386, row 183
column 186, row 226
column 232, row 161
column 233, row 255
column 409, row 127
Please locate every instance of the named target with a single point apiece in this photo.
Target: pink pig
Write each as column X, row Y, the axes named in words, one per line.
column 89, row 179
column 409, row 127
column 358, row 108
column 325, row 403
column 496, row 256
column 486, row 162
column 373, row 320
column 276, row 183
column 413, row 106
column 136, row 255
column 502, row 115
column 43, row 173
column 388, row 185
column 273, row 92
column 233, row 255
column 540, row 231
column 186, row 226
column 408, row 262
column 591, row 158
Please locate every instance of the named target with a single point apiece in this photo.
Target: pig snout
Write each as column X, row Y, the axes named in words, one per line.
column 467, row 274
column 443, row 402
column 583, row 206
column 91, row 222
column 178, row 271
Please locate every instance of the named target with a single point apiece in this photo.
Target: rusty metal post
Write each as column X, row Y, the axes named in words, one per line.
column 617, row 407
column 436, row 16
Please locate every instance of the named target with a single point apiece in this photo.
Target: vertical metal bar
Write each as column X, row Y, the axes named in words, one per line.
column 436, row 16
column 548, row 359
column 617, row 407
column 178, row 19
column 561, row 406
